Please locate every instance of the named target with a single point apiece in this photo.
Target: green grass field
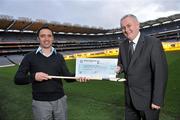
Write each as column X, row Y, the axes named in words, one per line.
column 95, row 100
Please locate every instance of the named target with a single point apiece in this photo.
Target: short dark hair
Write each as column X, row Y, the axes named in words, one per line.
column 44, row 27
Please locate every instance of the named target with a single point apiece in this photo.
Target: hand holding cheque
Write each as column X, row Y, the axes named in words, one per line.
column 94, row 69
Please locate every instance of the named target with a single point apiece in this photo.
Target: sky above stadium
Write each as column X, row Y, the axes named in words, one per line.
column 98, row 13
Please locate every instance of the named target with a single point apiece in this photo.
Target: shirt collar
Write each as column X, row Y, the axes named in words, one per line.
column 40, row 50
column 135, row 40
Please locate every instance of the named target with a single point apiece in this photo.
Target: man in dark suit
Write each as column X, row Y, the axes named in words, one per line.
column 144, row 64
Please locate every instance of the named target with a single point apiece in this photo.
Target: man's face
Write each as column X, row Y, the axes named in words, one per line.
column 45, row 38
column 130, row 27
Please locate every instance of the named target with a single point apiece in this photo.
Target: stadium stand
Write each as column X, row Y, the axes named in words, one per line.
column 15, row 59
column 168, row 36
column 4, row 62
column 17, row 37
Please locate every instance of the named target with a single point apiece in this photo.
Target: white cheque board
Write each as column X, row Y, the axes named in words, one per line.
column 96, row 67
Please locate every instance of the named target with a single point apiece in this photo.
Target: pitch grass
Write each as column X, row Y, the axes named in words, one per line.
column 95, row 100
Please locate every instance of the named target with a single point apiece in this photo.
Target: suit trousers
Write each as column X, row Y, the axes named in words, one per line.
column 50, row 110
column 134, row 114
column 131, row 113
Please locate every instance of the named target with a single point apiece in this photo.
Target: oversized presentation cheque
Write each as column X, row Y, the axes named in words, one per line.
column 95, row 69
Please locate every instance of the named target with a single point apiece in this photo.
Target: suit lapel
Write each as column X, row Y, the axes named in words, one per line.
column 139, row 48
column 124, row 53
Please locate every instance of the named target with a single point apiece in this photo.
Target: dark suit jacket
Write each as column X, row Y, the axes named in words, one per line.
column 146, row 74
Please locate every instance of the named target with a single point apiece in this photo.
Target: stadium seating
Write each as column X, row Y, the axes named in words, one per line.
column 17, row 37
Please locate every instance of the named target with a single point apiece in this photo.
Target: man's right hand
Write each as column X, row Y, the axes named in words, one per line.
column 40, row 76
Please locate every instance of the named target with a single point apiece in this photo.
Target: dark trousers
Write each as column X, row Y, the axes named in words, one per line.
column 131, row 113
column 134, row 114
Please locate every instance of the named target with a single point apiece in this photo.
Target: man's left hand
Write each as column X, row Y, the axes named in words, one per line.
column 156, row 107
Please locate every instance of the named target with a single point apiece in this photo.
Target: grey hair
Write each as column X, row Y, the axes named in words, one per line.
column 129, row 15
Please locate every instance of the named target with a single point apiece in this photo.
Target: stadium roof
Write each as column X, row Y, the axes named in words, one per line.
column 161, row 20
column 26, row 24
